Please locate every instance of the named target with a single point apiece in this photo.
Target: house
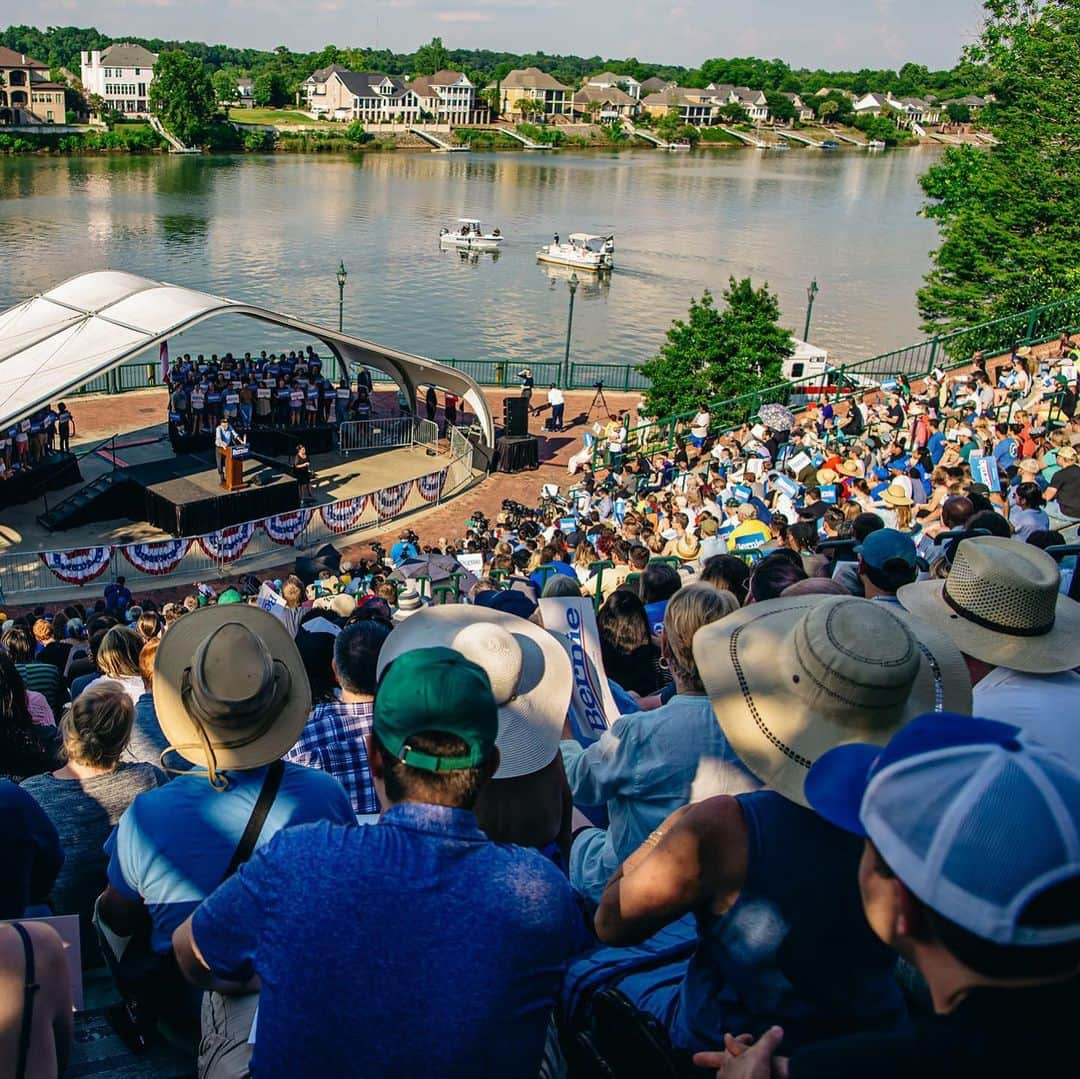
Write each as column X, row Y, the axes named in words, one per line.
column 605, row 104
column 654, row 86
column 532, row 84
column 915, row 110
column 313, row 90
column 693, row 106
column 826, row 90
column 121, row 74
column 608, row 80
column 974, row 102
column 872, row 105
column 803, row 113
column 448, row 97
column 27, row 94
column 245, row 92
column 753, row 102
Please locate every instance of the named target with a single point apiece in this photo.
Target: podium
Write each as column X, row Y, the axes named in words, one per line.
column 235, row 456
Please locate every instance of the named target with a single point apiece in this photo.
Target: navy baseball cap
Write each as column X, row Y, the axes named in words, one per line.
column 975, row 819
column 887, row 545
column 509, row 601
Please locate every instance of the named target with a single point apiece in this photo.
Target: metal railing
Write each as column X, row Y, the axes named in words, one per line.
column 386, row 433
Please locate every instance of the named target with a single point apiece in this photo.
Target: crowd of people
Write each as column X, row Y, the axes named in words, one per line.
column 749, row 757
column 29, row 443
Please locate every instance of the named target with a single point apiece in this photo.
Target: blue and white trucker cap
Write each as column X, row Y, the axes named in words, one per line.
column 976, row 820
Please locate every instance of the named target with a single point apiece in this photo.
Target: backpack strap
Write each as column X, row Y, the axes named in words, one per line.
column 258, row 817
column 30, row 987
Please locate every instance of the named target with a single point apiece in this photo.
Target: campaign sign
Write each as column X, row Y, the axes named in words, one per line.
column 984, row 469
column 741, row 491
column 799, row 462
column 787, row 486
column 828, row 493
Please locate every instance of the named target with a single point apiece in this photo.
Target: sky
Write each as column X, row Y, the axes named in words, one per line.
column 837, row 34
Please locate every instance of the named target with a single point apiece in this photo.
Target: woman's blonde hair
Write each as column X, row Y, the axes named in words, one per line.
column 146, row 662
column 693, row 606
column 97, row 727
column 43, row 631
column 904, row 516
column 118, row 653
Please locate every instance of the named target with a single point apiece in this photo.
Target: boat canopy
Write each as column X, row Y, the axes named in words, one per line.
column 469, row 221
column 585, row 237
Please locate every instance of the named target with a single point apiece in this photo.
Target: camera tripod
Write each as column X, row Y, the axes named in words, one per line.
column 598, row 401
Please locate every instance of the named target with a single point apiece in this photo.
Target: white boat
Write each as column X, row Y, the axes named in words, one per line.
column 675, row 146
column 581, row 250
column 469, row 233
column 876, row 144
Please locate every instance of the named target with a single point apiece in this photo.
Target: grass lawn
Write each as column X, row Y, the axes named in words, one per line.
column 288, row 117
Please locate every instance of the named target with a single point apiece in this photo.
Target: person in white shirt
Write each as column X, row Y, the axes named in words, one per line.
column 699, row 427
column 558, row 407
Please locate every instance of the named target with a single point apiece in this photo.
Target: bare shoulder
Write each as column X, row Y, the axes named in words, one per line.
column 46, row 942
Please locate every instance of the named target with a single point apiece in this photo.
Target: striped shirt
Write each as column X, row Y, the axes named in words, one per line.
column 45, row 679
column 333, row 741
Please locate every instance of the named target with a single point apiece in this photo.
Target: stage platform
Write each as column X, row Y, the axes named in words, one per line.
column 335, row 478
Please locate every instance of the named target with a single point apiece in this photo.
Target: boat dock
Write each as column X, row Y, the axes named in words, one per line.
column 439, row 144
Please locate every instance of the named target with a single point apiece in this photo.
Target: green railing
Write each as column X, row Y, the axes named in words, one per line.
column 1037, row 325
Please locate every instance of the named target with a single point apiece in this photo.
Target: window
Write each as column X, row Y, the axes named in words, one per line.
column 138, row 71
column 796, row 370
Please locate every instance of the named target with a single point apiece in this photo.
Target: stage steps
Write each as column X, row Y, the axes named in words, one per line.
column 103, row 499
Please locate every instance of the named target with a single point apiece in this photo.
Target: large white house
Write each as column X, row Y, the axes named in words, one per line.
column 121, row 74
column 448, row 97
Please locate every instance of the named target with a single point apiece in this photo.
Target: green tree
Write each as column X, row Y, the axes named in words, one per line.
column 718, row 354
column 780, row 107
column 957, row 113
column 431, row 57
column 355, row 132
column 667, row 126
column 1009, row 216
column 224, row 86
column 182, row 95
column 270, row 89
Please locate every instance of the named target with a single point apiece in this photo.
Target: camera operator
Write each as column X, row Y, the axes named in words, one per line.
column 405, row 548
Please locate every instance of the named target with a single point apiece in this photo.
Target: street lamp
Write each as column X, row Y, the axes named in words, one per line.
column 342, row 273
column 573, row 284
column 811, row 292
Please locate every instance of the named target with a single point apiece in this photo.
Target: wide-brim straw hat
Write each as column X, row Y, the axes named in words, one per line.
column 1029, row 465
column 895, row 495
column 529, row 671
column 687, row 548
column 1000, row 603
column 826, row 476
column 849, row 468
column 791, row 678
column 230, row 689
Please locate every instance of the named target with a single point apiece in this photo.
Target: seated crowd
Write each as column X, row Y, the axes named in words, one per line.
column 749, row 758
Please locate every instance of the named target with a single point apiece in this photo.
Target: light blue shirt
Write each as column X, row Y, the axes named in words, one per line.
column 173, row 845
column 643, row 768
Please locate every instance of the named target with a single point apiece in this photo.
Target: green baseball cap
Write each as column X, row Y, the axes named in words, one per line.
column 436, row 689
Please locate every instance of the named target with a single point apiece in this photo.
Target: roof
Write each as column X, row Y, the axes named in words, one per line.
column 362, row 84
column 532, row 78
column 446, row 77
column 610, row 94
column 878, row 101
column 59, row 340
column 11, row 58
column 609, row 78
column 321, row 74
column 126, row 54
column 654, row 84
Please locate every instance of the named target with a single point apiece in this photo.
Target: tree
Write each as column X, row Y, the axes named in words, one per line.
column 490, row 97
column 718, row 354
column 431, row 57
column 827, row 110
column 1009, row 216
column 957, row 113
column 780, row 107
column 270, row 89
column 224, row 83
column 733, row 114
column 667, row 127
column 355, row 132
column 182, row 96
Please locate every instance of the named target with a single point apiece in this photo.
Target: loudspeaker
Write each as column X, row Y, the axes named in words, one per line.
column 515, row 417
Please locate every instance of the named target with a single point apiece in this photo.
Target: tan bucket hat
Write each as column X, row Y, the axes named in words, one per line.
column 688, row 548
column 895, row 495
column 1000, row 603
column 230, row 689
column 528, row 668
column 793, row 677
column 826, row 476
column 850, row 467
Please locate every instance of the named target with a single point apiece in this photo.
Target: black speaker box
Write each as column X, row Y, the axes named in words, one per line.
column 515, row 416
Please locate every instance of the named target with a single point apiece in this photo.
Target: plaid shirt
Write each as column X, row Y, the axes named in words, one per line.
column 333, row 741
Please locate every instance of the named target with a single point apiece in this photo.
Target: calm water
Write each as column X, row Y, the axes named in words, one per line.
column 270, row 230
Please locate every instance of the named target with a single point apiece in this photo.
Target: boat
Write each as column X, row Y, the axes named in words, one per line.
column 469, row 233
column 876, row 144
column 582, row 250
column 681, row 145
column 781, row 146
column 830, row 144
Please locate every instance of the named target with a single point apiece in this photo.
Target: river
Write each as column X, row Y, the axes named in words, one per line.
column 271, row 230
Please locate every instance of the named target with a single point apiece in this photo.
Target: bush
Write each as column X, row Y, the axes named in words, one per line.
column 549, row 136
column 355, row 132
column 259, row 142
column 223, row 137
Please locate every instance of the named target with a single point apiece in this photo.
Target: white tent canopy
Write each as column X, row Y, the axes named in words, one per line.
column 54, row 343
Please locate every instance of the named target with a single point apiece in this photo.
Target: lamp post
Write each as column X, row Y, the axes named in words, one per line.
column 342, row 273
column 573, row 284
column 811, row 292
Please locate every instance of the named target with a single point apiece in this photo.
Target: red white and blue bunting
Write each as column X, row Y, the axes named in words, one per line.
column 390, row 501
column 80, row 565
column 344, row 514
column 285, row 527
column 230, row 543
column 431, row 485
column 157, row 558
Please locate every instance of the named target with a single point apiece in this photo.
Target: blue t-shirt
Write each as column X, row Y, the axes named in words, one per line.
column 413, row 946
column 402, row 550
column 936, row 446
column 1006, row 452
column 654, row 612
column 558, row 566
column 173, row 844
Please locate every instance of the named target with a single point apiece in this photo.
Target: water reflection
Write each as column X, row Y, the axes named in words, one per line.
column 271, row 229
column 590, row 286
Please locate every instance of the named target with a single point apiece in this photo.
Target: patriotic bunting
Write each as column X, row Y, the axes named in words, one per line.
column 431, row 485
column 391, row 500
column 157, row 558
column 285, row 527
column 343, row 515
column 80, row 565
column 230, row 543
